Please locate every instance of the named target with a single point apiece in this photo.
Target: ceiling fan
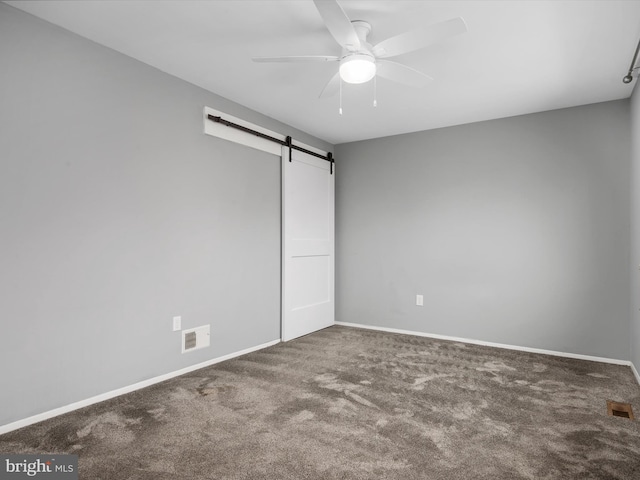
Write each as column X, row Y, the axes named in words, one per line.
column 360, row 61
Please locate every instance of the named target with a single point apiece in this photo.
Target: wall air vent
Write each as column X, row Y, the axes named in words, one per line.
column 195, row 338
column 190, row 341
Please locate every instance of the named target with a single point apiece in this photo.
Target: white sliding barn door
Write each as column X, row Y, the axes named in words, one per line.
column 307, row 244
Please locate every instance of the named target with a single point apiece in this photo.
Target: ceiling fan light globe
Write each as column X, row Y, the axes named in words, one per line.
column 357, row 68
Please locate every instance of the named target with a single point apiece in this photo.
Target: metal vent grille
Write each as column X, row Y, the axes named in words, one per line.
column 619, row 413
column 618, row 409
column 190, row 340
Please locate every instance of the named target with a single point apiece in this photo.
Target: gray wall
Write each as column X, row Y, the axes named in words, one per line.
column 635, row 228
column 117, row 213
column 516, row 231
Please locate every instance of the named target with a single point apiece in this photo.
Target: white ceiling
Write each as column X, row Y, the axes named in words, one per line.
column 518, row 57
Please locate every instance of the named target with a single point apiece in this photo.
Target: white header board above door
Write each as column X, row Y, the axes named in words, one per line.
column 238, row 136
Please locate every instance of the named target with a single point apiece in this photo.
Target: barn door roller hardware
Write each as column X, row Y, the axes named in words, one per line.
column 628, row 78
column 288, row 142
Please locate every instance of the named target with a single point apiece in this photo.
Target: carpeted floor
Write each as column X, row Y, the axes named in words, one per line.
column 353, row 404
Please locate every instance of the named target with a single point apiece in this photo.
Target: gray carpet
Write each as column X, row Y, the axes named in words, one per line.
column 353, row 404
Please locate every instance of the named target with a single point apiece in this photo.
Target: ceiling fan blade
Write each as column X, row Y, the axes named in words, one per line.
column 419, row 38
column 331, row 88
column 297, row 59
column 338, row 24
column 400, row 73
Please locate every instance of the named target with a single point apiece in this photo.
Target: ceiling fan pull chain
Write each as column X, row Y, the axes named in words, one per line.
column 340, row 109
column 375, row 91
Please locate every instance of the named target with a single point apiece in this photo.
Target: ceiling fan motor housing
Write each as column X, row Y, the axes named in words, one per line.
column 362, row 28
column 358, row 66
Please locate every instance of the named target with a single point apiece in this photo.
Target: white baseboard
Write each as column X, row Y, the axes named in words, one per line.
column 130, row 388
column 635, row 372
column 146, row 383
column 497, row 345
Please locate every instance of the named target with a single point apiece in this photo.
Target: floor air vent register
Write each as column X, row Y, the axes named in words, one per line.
column 618, row 409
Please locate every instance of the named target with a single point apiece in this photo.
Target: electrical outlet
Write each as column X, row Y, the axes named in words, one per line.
column 177, row 323
column 419, row 300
